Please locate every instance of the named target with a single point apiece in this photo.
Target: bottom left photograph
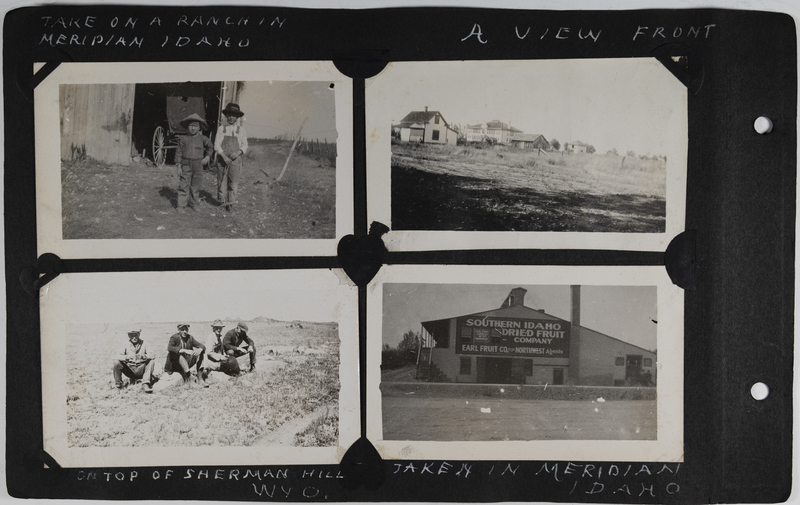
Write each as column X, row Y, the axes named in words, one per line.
column 230, row 367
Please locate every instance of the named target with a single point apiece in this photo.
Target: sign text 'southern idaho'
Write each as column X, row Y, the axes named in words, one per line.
column 544, row 338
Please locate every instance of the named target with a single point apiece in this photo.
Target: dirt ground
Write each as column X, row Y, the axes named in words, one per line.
column 458, row 419
column 518, row 191
column 293, row 387
column 139, row 201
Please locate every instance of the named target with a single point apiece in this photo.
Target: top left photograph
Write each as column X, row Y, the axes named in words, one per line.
column 193, row 159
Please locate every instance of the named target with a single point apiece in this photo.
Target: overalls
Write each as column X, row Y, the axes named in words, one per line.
column 228, row 179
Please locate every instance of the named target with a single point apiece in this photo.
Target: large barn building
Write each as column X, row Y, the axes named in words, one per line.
column 113, row 122
column 515, row 344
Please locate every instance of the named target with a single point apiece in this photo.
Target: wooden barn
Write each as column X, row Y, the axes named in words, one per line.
column 113, row 122
column 530, row 141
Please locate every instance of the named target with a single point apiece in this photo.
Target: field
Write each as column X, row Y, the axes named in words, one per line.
column 292, row 398
column 436, row 187
column 456, row 412
column 139, row 201
column 458, row 419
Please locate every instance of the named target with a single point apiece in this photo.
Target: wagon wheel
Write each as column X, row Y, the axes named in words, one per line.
column 159, row 147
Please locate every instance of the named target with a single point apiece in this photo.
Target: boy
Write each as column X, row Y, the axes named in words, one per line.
column 194, row 151
column 231, row 144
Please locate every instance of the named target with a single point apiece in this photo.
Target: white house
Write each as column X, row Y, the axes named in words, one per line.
column 427, row 126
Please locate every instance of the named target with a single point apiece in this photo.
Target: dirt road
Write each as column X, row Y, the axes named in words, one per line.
column 457, row 419
column 139, row 201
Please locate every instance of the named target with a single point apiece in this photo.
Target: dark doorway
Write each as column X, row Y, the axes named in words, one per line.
column 497, row 370
column 558, row 376
column 633, row 368
column 159, row 105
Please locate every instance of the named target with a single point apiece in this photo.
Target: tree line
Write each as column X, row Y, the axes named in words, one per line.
column 404, row 354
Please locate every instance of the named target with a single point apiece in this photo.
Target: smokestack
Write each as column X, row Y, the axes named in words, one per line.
column 426, row 108
column 575, row 338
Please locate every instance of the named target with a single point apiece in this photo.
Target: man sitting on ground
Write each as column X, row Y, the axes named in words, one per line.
column 184, row 352
column 135, row 361
column 216, row 359
column 236, row 343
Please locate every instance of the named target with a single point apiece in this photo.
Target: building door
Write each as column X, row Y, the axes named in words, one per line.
column 558, row 376
column 633, row 368
column 498, row 371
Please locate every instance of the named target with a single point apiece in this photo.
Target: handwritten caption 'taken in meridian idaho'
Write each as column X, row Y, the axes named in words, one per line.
column 83, row 31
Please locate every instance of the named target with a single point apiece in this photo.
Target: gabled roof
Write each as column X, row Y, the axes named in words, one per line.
column 421, row 116
column 496, row 125
column 515, row 311
column 578, row 143
column 523, row 312
column 528, row 137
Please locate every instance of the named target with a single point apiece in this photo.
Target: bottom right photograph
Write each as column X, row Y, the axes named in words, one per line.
column 561, row 359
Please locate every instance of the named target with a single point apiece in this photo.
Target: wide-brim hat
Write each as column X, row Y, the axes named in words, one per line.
column 134, row 332
column 217, row 324
column 191, row 119
column 232, row 109
column 182, row 326
column 242, row 326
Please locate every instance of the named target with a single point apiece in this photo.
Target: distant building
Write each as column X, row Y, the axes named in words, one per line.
column 497, row 130
column 575, row 147
column 515, row 344
column 530, row 141
column 427, row 126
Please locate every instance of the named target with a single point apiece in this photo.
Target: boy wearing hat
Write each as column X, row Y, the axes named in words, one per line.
column 236, row 343
column 183, row 352
column 194, row 150
column 216, row 359
column 135, row 361
column 231, row 144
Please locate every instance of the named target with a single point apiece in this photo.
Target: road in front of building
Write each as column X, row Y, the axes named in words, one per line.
column 457, row 419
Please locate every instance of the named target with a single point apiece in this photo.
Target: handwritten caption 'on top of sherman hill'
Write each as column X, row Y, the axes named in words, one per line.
column 93, row 31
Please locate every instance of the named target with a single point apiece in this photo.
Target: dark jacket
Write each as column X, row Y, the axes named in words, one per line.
column 232, row 341
column 174, row 347
column 193, row 147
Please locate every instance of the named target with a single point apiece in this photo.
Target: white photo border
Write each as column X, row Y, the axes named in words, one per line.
column 379, row 92
column 668, row 447
column 48, row 164
column 59, row 305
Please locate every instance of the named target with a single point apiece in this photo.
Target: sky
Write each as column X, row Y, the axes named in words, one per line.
column 623, row 312
column 156, row 297
column 278, row 107
column 613, row 103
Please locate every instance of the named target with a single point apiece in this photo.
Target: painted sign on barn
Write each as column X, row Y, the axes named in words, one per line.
column 505, row 336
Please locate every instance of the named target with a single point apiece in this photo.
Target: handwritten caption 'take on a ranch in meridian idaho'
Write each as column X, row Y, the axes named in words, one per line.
column 121, row 31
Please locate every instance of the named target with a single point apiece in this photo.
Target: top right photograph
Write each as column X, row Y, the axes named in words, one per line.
column 543, row 154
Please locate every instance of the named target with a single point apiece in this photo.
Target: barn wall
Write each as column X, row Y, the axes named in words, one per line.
column 598, row 354
column 96, row 121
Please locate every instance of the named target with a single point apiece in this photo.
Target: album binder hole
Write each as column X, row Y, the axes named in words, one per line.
column 763, row 125
column 759, row 391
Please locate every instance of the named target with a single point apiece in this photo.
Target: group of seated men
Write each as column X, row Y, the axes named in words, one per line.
column 184, row 352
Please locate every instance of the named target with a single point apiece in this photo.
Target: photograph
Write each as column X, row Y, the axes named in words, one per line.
column 134, row 363
column 576, row 148
column 543, row 360
column 259, row 159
